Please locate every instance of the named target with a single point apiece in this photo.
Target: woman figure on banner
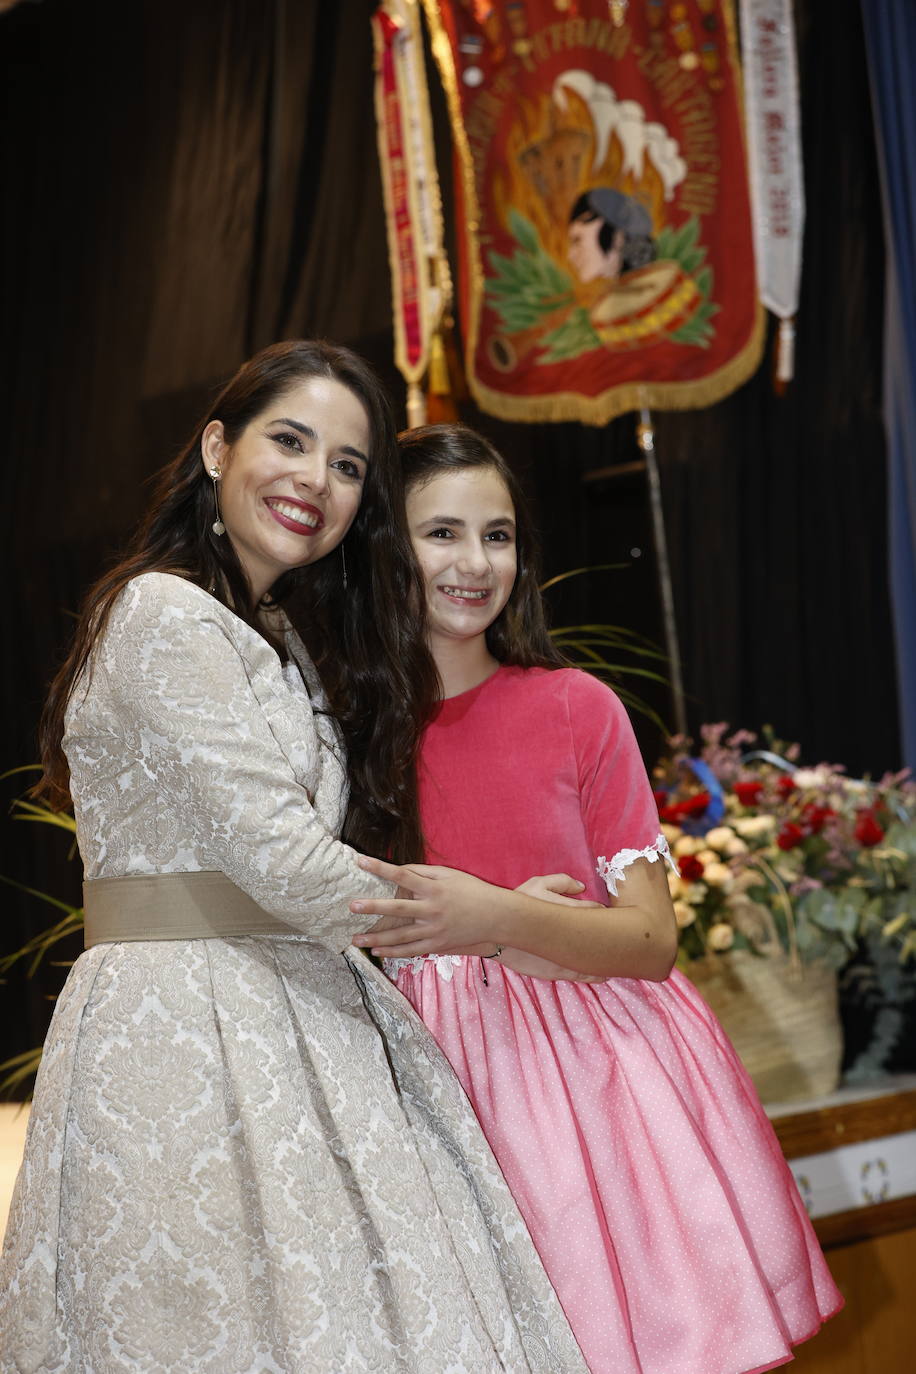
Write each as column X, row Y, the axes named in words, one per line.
column 632, row 1138
column 245, row 1151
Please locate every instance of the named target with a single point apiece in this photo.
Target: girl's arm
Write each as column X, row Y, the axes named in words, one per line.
column 452, row 910
column 551, row 887
column 637, row 938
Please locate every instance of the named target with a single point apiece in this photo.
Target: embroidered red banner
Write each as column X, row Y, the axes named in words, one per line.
column 605, row 244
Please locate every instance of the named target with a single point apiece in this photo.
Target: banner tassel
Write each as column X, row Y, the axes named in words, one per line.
column 785, row 351
column 416, row 406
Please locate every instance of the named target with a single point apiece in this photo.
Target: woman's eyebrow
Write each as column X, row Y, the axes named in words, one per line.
column 308, row 433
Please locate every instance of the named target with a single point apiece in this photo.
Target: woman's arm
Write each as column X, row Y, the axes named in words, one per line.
column 450, row 910
column 189, row 719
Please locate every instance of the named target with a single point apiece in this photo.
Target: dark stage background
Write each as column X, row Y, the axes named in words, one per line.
column 186, row 183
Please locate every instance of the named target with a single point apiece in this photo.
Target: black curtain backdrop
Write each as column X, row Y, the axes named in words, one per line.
column 184, row 184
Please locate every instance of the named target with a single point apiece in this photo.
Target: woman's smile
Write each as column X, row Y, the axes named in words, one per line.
column 294, row 515
column 291, row 483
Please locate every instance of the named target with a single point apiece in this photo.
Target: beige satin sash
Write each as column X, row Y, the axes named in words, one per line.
column 173, row 906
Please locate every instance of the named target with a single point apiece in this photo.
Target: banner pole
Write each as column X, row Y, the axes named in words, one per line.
column 645, row 437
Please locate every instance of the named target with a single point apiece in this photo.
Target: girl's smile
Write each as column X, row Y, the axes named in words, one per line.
column 462, row 524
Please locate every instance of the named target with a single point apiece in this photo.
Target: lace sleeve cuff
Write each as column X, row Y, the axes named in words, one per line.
column 614, row 870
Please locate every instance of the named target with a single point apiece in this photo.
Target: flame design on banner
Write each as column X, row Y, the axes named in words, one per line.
column 605, row 243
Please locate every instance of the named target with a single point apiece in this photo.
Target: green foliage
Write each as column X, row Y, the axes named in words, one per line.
column 697, row 331
column 828, row 923
column 609, row 651
column 574, row 336
column 529, row 284
column 21, row 1067
column 680, row 246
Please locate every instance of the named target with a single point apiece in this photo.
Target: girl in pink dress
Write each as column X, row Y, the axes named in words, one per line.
column 631, row 1136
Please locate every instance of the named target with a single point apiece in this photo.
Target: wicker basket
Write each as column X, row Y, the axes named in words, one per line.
column 785, row 1027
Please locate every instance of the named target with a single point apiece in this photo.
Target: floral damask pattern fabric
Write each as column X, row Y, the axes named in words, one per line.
column 247, row 1155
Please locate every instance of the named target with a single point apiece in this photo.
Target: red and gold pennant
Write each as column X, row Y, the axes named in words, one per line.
column 606, row 255
column 420, row 278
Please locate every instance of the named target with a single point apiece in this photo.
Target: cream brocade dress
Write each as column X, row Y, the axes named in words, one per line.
column 247, row 1155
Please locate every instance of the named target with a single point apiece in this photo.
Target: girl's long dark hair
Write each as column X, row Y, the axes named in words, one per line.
column 367, row 644
column 519, row 634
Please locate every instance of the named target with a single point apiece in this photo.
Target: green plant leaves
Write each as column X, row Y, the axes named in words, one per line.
column 574, row 336
column 525, row 287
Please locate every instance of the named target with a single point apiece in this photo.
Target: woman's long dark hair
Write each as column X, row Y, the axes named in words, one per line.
column 519, row 633
column 367, row 645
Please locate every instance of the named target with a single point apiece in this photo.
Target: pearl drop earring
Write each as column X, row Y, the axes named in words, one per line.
column 216, row 473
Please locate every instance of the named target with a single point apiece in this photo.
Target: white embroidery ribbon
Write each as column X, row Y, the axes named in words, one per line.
column 613, row 870
column 774, row 161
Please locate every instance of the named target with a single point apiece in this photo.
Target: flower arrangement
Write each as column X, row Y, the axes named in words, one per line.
column 777, row 859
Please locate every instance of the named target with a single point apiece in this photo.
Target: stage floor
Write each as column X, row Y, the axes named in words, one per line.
column 14, row 1117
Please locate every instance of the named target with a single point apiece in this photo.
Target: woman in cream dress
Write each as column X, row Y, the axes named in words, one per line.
column 245, row 1153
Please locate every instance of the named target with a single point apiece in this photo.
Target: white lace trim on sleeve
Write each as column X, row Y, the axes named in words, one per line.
column 614, row 870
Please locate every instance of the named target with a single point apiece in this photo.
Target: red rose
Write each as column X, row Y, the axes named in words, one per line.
column 815, row 817
column 868, row 832
column 690, row 806
column 785, row 785
column 790, row 835
column 661, row 798
column 690, row 868
column 748, row 793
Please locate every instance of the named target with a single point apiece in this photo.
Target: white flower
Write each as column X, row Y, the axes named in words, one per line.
column 749, row 878
column 694, row 893
column 734, row 847
column 708, row 856
column 686, row 844
column 671, row 832
column 717, row 875
column 812, row 777
column 720, row 937
column 720, row 838
column 675, row 883
column 684, row 914
column 752, row 826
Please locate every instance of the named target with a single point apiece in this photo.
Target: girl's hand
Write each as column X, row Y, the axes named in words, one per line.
column 556, row 887
column 552, row 887
column 448, row 912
